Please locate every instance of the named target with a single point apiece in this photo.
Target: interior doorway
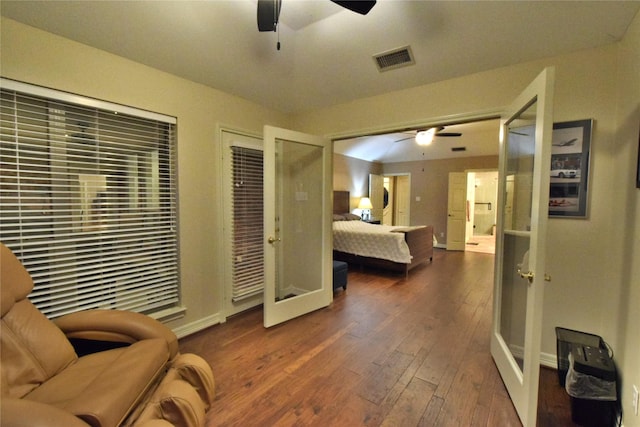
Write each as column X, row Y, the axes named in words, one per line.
column 483, row 200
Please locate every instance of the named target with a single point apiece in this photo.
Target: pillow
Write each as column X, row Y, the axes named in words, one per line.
column 351, row 217
column 337, row 217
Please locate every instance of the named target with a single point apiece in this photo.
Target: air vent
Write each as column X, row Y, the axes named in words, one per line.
column 459, row 149
column 393, row 59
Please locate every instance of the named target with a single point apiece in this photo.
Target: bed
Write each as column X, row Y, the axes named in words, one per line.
column 398, row 249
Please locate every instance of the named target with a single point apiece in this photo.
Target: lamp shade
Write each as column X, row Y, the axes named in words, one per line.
column 365, row 203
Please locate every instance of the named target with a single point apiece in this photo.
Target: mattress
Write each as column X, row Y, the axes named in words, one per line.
column 370, row 240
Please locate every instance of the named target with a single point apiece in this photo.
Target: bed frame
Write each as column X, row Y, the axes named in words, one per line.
column 419, row 240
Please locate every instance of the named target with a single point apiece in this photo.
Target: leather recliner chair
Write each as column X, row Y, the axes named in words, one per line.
column 136, row 378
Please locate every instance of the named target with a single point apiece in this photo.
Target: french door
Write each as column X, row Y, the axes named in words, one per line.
column 297, row 224
column 523, row 198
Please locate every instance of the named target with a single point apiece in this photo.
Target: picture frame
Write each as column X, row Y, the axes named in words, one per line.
column 569, row 171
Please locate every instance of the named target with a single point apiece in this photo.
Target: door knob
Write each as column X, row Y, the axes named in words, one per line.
column 272, row 239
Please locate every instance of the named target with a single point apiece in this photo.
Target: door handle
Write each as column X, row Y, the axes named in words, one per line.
column 529, row 276
column 526, row 275
column 272, row 240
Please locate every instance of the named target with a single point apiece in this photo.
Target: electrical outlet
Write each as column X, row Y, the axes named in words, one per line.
column 635, row 399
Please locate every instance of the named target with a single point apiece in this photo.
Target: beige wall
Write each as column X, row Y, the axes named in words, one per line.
column 430, row 181
column 352, row 175
column 37, row 57
column 626, row 231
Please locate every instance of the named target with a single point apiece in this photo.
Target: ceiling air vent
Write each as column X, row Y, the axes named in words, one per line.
column 393, row 59
column 459, row 149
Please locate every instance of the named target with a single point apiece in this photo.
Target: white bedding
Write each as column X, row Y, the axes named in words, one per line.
column 375, row 241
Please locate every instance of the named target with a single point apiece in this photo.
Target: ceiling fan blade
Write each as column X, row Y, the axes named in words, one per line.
column 362, row 7
column 404, row 139
column 268, row 14
column 448, row 134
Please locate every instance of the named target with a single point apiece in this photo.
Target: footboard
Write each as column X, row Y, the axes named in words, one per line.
column 420, row 242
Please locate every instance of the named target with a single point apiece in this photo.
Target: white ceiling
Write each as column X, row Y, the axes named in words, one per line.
column 478, row 139
column 326, row 53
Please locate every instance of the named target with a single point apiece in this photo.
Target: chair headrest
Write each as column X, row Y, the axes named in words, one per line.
column 15, row 281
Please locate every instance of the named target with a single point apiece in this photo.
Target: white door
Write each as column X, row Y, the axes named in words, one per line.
column 402, row 197
column 457, row 211
column 376, row 195
column 523, row 200
column 297, row 224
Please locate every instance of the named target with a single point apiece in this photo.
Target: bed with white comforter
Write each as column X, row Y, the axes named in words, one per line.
column 369, row 240
column 382, row 246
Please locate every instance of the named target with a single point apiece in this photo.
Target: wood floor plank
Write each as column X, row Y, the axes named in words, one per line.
column 411, row 404
column 376, row 387
column 390, row 351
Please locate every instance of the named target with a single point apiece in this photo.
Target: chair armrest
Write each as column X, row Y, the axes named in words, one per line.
column 115, row 326
column 27, row 413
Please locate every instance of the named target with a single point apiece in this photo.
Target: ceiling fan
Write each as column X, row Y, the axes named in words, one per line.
column 425, row 136
column 269, row 11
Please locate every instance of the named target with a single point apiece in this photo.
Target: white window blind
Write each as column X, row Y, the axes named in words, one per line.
column 88, row 201
column 247, row 228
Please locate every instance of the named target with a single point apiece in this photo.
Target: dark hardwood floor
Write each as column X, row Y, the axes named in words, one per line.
column 387, row 352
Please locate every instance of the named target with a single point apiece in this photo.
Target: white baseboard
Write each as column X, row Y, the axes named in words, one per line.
column 547, row 360
column 193, row 327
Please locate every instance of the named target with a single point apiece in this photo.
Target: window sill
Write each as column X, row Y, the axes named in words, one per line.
column 169, row 314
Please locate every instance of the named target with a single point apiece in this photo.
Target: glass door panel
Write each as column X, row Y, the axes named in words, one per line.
column 523, row 194
column 297, row 224
column 519, row 154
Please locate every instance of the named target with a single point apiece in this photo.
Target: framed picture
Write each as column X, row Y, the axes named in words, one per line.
column 571, row 143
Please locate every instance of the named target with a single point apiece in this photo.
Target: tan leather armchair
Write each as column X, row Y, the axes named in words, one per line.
column 125, row 368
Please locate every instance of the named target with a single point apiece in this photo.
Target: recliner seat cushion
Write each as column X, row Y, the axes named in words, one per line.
column 102, row 388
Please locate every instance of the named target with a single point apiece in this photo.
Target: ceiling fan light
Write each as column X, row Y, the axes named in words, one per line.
column 425, row 137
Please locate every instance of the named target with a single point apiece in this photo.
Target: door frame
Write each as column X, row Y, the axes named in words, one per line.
column 483, row 171
column 230, row 308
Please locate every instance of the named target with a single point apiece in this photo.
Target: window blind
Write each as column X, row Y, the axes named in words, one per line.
column 88, row 201
column 247, row 223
